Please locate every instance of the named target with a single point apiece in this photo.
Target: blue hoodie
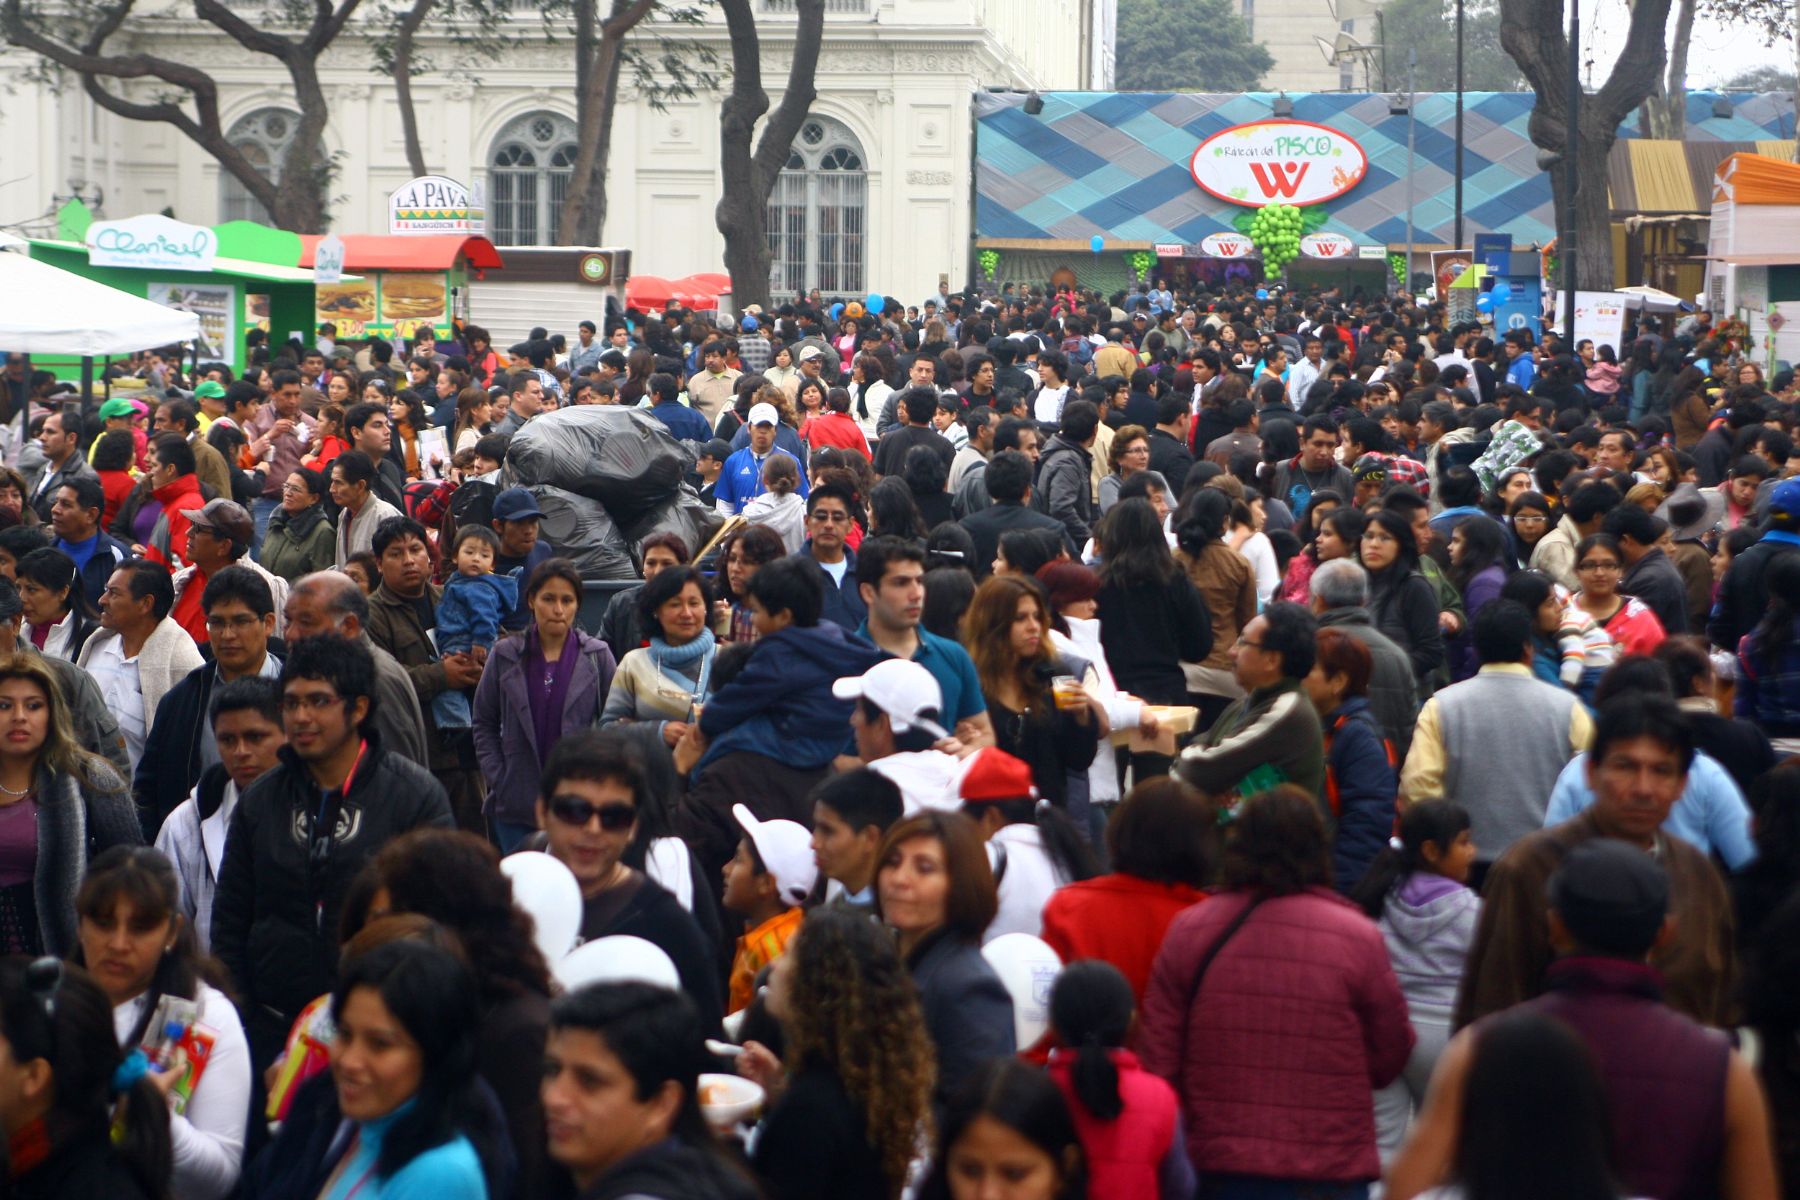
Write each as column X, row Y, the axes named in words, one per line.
column 780, row 705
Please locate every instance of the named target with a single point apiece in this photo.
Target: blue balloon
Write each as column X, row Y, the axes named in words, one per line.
column 837, row 310
column 1097, row 243
column 1501, row 292
column 1262, row 293
column 1485, row 303
column 875, row 302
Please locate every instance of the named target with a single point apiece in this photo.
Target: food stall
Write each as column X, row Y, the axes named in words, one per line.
column 405, row 283
column 189, row 268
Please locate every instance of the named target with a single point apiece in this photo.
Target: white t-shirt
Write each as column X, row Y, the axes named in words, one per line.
column 1027, row 883
column 835, row 570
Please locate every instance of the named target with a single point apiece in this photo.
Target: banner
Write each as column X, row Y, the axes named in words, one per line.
column 1599, row 318
column 1278, row 162
column 152, row 242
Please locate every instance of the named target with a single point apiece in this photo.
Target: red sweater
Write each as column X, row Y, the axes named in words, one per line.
column 836, row 429
column 1297, row 1019
column 1118, row 918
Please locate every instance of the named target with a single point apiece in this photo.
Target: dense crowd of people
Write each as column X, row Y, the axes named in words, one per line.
column 1228, row 743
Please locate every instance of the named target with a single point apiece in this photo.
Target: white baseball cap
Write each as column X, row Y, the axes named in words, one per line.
column 810, row 353
column 900, row 688
column 785, row 848
column 764, row 414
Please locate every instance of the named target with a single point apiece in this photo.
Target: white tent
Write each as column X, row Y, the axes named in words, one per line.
column 46, row 310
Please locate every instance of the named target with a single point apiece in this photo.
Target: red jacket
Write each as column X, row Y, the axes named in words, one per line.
column 1297, row 1019
column 1118, row 918
column 835, row 429
column 1124, row 1155
column 169, row 540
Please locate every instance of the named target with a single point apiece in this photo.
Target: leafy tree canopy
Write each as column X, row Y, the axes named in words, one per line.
column 1186, row 46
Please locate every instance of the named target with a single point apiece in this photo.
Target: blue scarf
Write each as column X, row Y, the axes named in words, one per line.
column 670, row 659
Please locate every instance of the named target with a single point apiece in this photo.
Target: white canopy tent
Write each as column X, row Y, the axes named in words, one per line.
column 46, row 310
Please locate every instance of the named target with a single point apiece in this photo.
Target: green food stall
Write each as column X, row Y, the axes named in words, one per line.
column 231, row 278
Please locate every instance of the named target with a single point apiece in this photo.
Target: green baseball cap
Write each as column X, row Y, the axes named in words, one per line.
column 212, row 389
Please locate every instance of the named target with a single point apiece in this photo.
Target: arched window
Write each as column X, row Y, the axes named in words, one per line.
column 528, row 176
column 263, row 136
column 818, row 213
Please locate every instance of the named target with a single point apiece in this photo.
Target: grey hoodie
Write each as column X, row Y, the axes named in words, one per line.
column 1428, row 925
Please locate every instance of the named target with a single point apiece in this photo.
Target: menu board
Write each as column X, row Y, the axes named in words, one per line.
column 386, row 304
column 216, row 304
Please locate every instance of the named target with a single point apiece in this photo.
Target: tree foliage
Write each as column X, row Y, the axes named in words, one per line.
column 1762, row 79
column 1430, row 27
column 1186, row 46
column 97, row 43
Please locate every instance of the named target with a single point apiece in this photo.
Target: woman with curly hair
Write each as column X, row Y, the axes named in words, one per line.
column 454, row 879
column 854, row 1102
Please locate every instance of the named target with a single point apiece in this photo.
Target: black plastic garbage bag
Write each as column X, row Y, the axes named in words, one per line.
column 580, row 530
column 623, row 457
column 685, row 514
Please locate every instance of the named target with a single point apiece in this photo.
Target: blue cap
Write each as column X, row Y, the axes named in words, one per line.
column 748, row 325
column 516, row 504
column 1784, row 504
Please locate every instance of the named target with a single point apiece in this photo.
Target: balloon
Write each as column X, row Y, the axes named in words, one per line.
column 837, row 311
column 547, row 890
column 617, row 959
column 1262, row 293
column 1502, row 292
column 1027, row 967
column 1096, row 243
column 1484, row 303
column 876, row 302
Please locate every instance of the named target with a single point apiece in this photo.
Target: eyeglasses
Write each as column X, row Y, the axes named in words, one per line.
column 314, row 702
column 233, row 625
column 1530, row 520
column 573, row 810
column 824, row 517
column 294, row 489
column 1247, row 643
column 1597, row 566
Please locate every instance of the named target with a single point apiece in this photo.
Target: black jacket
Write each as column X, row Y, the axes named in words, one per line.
column 986, row 525
column 1654, row 580
column 275, row 920
column 1148, row 632
column 653, row 914
column 109, row 552
column 891, row 451
column 171, row 761
column 672, row 1170
column 1744, row 593
column 1170, row 458
column 815, row 1142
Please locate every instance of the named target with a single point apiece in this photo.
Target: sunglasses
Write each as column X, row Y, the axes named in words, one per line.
column 573, row 810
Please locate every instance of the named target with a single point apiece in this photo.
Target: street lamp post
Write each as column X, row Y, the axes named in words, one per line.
column 1412, row 105
column 1459, row 125
column 1571, row 173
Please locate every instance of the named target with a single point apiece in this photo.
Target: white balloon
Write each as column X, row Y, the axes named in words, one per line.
column 1027, row 968
column 620, row 958
column 546, row 889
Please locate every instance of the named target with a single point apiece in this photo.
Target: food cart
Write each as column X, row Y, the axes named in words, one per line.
column 406, row 282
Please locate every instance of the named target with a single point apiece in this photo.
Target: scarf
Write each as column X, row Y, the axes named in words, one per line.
column 671, row 659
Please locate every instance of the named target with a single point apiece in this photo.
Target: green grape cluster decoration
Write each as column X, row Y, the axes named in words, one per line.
column 990, row 262
column 1140, row 262
column 1397, row 263
column 1276, row 230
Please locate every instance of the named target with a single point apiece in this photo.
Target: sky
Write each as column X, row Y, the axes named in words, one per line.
column 1718, row 52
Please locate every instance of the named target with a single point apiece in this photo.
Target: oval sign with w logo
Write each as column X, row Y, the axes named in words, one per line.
column 1278, row 162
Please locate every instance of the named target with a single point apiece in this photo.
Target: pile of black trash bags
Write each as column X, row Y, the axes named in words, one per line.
column 607, row 477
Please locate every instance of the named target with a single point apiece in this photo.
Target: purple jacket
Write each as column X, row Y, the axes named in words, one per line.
column 505, row 739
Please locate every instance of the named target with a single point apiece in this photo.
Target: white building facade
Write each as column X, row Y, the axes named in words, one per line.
column 876, row 196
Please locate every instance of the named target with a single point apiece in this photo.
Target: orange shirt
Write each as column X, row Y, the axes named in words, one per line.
column 756, row 950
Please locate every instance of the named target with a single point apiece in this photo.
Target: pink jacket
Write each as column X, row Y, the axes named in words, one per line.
column 1297, row 1019
column 1124, row 1155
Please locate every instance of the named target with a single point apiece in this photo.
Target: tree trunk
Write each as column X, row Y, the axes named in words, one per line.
column 1666, row 109
column 1532, row 33
column 749, row 176
column 402, row 71
column 584, row 207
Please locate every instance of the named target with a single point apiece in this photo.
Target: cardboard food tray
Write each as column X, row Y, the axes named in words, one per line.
column 1174, row 720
